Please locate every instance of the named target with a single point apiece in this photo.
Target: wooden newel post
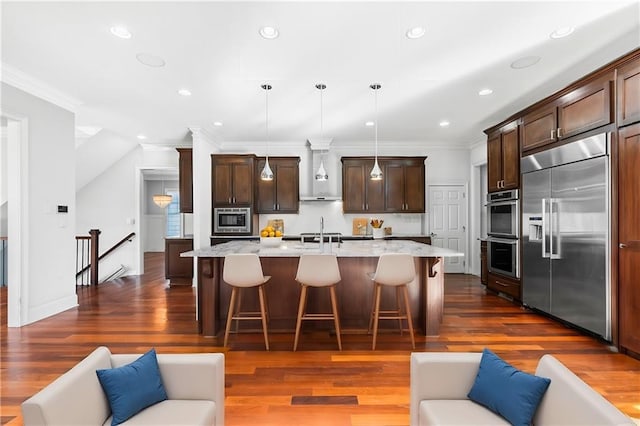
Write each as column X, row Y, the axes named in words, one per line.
column 94, row 255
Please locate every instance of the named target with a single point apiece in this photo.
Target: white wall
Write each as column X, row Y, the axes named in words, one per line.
column 478, row 191
column 3, row 179
column 46, row 263
column 109, row 203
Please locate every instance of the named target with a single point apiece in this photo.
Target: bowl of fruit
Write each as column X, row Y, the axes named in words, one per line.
column 270, row 237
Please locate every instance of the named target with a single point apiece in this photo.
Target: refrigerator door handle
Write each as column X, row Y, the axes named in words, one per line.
column 544, row 228
column 554, row 231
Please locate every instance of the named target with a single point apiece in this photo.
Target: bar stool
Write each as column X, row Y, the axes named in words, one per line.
column 318, row 270
column 244, row 271
column 396, row 270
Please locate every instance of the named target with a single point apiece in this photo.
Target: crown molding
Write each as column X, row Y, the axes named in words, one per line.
column 206, row 135
column 38, row 88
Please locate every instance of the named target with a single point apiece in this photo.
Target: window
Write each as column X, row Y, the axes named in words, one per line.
column 173, row 214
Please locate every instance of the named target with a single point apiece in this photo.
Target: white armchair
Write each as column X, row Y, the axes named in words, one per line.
column 194, row 384
column 440, row 382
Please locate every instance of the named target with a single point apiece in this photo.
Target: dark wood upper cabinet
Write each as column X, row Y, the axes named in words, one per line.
column 233, row 177
column 628, row 85
column 503, row 159
column 401, row 189
column 404, row 185
column 282, row 194
column 360, row 194
column 185, row 179
column 629, row 237
column 584, row 108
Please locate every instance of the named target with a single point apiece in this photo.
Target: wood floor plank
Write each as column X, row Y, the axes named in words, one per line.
column 133, row 314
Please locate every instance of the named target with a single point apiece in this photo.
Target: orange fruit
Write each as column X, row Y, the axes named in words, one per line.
column 278, row 234
column 264, row 233
column 272, row 234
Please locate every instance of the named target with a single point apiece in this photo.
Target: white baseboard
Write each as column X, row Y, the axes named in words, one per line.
column 52, row 308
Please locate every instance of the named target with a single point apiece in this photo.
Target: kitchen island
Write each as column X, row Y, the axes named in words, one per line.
column 355, row 291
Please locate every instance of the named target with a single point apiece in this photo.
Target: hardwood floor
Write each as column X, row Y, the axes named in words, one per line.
column 316, row 385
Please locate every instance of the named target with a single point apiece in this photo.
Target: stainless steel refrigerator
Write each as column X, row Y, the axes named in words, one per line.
column 565, row 233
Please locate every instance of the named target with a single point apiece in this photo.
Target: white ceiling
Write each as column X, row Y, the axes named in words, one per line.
column 214, row 50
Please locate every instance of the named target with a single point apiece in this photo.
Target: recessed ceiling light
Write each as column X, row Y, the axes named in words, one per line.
column 561, row 32
column 269, row 32
column 150, row 60
column 415, row 32
column 141, row 137
column 217, row 123
column 184, row 92
column 121, row 32
column 485, row 92
column 525, row 62
column 369, row 123
column 444, row 123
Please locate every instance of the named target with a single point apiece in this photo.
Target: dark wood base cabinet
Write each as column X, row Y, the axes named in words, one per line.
column 502, row 284
column 484, row 269
column 629, row 238
column 178, row 270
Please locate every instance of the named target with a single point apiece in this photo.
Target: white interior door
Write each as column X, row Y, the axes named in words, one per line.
column 448, row 222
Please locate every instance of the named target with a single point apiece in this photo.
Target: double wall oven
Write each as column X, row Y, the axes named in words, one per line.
column 503, row 230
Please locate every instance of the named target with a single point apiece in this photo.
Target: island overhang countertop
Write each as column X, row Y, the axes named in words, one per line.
column 355, row 291
column 364, row 248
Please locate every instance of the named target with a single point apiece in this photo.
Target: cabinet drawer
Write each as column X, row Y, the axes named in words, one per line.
column 504, row 285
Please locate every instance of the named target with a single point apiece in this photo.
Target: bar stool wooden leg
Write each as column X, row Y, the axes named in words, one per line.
column 301, row 308
column 238, row 306
column 336, row 320
column 376, row 314
column 373, row 307
column 263, row 315
column 407, row 308
column 232, row 306
column 398, row 308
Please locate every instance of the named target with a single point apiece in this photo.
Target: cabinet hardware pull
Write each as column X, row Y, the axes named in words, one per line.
column 622, row 245
column 553, row 134
column 366, row 206
column 558, row 133
column 230, row 200
column 503, row 285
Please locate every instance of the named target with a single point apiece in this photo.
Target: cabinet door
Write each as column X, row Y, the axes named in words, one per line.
column 629, row 237
column 394, row 187
column 353, row 186
column 185, row 177
column 628, row 85
column 222, row 194
column 242, row 182
column 510, row 159
column 266, row 202
column 287, row 186
column 585, row 108
column 374, row 199
column 414, row 188
column 539, row 127
column 494, row 162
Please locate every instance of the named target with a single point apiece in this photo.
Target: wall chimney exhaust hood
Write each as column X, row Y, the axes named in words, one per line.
column 327, row 190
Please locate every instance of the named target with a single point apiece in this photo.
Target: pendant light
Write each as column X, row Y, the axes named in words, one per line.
column 266, row 173
column 376, row 172
column 321, row 174
column 162, row 200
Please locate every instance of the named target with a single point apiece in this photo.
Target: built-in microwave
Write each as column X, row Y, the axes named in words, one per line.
column 232, row 220
column 503, row 214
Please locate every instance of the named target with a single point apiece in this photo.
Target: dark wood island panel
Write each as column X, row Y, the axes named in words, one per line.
column 355, row 294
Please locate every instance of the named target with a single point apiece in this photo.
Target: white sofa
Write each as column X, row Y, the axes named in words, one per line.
column 440, row 382
column 194, row 384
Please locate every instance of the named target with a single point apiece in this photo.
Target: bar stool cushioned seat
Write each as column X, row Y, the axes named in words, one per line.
column 397, row 270
column 318, row 270
column 244, row 271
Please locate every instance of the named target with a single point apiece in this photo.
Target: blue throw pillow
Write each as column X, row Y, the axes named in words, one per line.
column 507, row 391
column 132, row 387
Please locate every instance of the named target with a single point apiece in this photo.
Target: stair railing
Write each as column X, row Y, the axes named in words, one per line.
column 87, row 258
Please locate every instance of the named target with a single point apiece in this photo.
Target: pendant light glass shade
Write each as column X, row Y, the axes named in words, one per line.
column 321, row 174
column 376, row 171
column 162, row 200
column 267, row 173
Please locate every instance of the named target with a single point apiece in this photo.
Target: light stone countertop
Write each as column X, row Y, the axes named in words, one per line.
column 364, row 248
